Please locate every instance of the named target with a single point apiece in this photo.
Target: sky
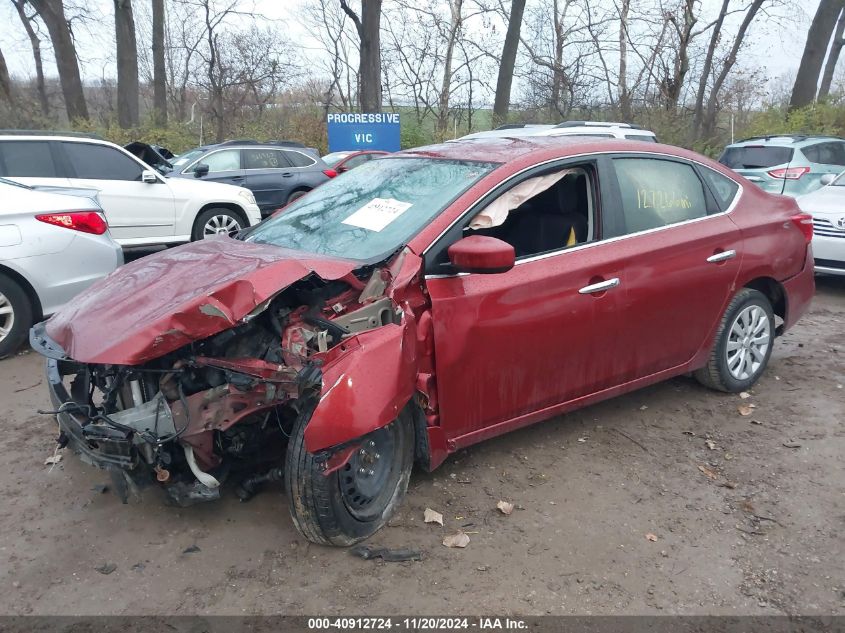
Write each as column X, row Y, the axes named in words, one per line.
column 775, row 44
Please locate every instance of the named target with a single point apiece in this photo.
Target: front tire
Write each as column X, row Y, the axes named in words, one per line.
column 15, row 316
column 354, row 502
column 743, row 344
column 217, row 221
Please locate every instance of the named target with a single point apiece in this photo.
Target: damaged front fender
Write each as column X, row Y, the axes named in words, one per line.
column 367, row 380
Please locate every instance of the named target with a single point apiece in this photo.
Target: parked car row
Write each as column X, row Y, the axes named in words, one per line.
column 420, row 303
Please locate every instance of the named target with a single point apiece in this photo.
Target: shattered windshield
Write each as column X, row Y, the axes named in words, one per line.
column 370, row 212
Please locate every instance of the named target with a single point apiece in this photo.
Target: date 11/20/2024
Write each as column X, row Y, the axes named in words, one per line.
column 417, row 624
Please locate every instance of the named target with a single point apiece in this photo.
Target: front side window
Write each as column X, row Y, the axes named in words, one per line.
column 658, row 193
column 224, row 160
column 101, row 162
column 264, row 159
column 24, row 159
column 372, row 211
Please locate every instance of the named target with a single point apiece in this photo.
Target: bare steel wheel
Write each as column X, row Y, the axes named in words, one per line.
column 365, row 476
column 743, row 343
column 748, row 342
column 217, row 221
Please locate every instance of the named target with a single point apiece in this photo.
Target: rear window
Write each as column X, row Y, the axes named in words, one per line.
column 641, row 137
column 23, row 159
column 756, row 156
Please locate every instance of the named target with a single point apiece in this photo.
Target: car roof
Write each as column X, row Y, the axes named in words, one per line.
column 509, row 149
column 785, row 140
column 53, row 137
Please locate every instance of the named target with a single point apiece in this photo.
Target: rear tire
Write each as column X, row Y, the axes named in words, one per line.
column 344, row 507
column 217, row 221
column 15, row 316
column 743, row 344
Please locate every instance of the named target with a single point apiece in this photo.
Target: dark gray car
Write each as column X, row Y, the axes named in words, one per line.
column 276, row 172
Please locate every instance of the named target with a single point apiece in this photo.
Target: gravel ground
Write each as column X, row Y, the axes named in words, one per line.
column 666, row 500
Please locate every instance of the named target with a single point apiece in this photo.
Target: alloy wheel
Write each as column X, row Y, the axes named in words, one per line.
column 748, row 342
column 7, row 316
column 221, row 225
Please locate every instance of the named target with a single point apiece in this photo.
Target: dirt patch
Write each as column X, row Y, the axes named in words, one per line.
column 667, row 500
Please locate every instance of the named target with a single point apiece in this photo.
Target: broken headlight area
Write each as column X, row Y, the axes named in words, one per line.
column 217, row 408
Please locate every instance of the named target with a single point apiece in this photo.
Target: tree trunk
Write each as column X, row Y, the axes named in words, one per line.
column 127, row 64
column 698, row 113
column 369, row 68
column 456, row 12
column 501, row 104
column 815, row 50
column 159, row 67
column 833, row 56
column 5, row 81
column 622, row 90
column 52, row 12
column 35, row 43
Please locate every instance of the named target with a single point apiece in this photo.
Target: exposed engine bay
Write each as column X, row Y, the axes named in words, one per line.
column 223, row 406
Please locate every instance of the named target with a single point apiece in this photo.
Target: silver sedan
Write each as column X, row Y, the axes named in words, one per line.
column 53, row 245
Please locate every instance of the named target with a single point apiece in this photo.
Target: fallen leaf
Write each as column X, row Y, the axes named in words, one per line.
column 459, row 539
column 756, row 422
column 728, row 484
column 53, row 459
column 745, row 409
column 691, row 433
column 744, row 395
column 792, row 444
column 711, row 474
column 505, row 507
column 643, row 408
column 191, row 549
column 711, row 444
column 106, row 568
column 651, row 537
column 432, row 516
column 582, row 439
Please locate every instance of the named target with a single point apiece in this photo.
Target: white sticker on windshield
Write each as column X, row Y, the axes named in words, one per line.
column 377, row 213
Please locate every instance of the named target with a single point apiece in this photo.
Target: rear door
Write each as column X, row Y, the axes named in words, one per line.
column 681, row 253
column 32, row 163
column 138, row 212
column 270, row 176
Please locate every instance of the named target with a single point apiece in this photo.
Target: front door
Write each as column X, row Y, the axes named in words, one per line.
column 137, row 212
column 510, row 344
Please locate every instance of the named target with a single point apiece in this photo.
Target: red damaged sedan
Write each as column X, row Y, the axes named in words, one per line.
column 422, row 303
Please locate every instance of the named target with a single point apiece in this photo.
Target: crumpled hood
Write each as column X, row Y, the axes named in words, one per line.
column 161, row 302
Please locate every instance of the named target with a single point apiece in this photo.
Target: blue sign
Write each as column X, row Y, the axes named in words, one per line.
column 356, row 132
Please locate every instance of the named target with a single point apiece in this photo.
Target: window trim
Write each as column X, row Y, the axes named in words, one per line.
column 601, row 241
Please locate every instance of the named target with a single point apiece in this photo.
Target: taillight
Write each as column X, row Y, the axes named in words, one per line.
column 789, row 173
column 331, row 173
column 804, row 222
column 84, row 221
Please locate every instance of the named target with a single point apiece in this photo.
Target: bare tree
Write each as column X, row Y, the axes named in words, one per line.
column 369, row 34
column 159, row 64
column 330, row 25
column 818, row 38
column 28, row 22
column 624, row 94
column 833, row 56
column 127, row 64
column 501, row 103
column 52, row 12
column 5, row 81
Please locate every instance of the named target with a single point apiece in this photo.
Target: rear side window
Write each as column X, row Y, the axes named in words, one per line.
column 264, row 159
column 298, row 159
column 723, row 188
column 641, row 137
column 756, row 156
column 826, row 153
column 658, row 193
column 100, row 162
column 24, row 159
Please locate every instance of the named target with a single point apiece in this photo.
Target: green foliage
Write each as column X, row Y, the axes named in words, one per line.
column 826, row 117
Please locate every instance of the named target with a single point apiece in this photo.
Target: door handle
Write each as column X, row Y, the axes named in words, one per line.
column 600, row 287
column 237, row 177
column 721, row 257
column 287, row 175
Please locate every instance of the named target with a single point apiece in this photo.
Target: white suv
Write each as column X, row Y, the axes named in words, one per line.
column 142, row 206
column 595, row 129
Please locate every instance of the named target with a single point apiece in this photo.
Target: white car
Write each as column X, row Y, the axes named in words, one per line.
column 596, row 129
column 142, row 206
column 827, row 206
column 52, row 247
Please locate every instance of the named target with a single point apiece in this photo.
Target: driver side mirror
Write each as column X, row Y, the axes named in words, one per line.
column 481, row 254
column 827, row 179
column 148, row 176
column 200, row 170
